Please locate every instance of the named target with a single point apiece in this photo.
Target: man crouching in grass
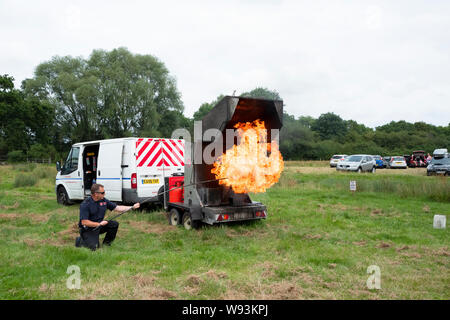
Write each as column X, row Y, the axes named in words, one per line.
column 92, row 213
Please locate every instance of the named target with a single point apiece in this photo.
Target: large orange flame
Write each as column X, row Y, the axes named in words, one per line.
column 248, row 166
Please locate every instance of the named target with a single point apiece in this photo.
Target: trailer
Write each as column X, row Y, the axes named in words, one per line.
column 130, row 169
column 196, row 196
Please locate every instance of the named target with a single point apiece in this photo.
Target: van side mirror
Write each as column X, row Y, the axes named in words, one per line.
column 58, row 166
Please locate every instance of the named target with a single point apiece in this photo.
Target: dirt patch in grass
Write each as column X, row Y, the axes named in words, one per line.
column 137, row 287
column 383, row 245
column 313, row 236
column 215, row 275
column 284, row 290
column 402, row 248
column 45, row 288
column 194, row 283
column 36, row 218
column 14, row 206
column 339, row 207
column 148, row 227
column 376, row 212
column 10, row 216
column 39, row 218
column 143, row 280
column 268, row 269
column 442, row 252
column 260, row 233
column 72, row 231
column 195, row 280
column 360, row 243
column 412, row 255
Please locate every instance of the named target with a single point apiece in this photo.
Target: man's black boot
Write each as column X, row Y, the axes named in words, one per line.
column 78, row 242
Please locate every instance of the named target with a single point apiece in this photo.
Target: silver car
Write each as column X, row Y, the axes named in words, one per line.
column 358, row 163
column 336, row 158
column 398, row 162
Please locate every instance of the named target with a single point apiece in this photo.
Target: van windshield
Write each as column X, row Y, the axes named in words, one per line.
column 354, row 158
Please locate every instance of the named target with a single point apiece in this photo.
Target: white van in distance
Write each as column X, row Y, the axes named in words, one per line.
column 131, row 169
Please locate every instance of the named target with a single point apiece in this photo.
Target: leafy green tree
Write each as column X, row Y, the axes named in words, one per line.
column 22, row 121
column 330, row 126
column 13, row 116
column 307, row 121
column 205, row 108
column 112, row 94
column 262, row 93
column 296, row 140
column 39, row 151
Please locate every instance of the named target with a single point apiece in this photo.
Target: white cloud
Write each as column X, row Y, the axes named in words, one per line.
column 371, row 61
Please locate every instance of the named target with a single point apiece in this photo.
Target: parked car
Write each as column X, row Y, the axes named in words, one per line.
column 358, row 163
column 386, row 161
column 418, row 159
column 439, row 166
column 440, row 153
column 398, row 162
column 336, row 158
column 379, row 161
column 408, row 159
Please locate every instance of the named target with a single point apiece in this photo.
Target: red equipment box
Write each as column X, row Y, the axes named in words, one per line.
column 176, row 195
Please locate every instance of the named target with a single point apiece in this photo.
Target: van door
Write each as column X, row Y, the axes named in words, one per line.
column 149, row 178
column 71, row 174
column 109, row 169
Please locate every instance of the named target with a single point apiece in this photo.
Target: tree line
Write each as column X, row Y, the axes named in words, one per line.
column 120, row 94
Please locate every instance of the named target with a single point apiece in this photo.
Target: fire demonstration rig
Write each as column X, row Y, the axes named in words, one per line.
column 198, row 196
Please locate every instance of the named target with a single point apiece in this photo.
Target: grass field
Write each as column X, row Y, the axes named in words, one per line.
column 317, row 242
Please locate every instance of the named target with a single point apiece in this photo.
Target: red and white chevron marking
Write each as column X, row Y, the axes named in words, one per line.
column 159, row 152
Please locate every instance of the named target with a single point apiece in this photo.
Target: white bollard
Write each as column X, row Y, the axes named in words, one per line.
column 352, row 185
column 439, row 221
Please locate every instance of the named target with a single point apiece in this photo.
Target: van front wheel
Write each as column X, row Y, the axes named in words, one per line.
column 62, row 197
column 161, row 195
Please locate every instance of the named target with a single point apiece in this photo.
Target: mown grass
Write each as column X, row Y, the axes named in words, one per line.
column 317, row 243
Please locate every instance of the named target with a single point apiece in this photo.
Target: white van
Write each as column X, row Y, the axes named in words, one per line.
column 131, row 169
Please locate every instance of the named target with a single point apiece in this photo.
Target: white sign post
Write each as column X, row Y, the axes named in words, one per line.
column 353, row 186
column 439, row 221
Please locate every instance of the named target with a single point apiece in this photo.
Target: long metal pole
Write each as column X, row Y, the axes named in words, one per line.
column 118, row 215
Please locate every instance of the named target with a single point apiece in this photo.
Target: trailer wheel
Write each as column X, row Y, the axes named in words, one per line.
column 62, row 197
column 188, row 223
column 174, row 217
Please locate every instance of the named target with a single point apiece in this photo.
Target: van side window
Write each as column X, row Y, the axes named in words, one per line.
column 71, row 163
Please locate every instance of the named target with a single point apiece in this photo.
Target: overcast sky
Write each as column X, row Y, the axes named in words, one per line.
column 370, row 61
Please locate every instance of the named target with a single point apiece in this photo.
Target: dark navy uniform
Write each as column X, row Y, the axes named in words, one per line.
column 95, row 211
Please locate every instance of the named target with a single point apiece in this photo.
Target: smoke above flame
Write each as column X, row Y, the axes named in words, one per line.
column 253, row 165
